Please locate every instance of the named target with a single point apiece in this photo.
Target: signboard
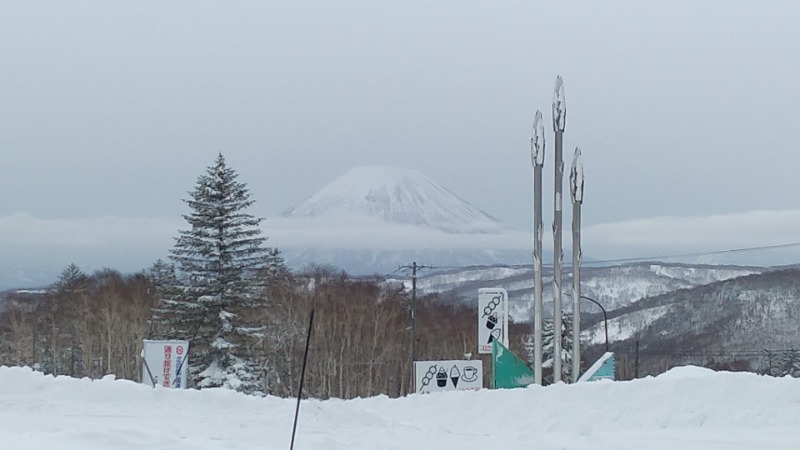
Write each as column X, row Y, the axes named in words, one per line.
column 456, row 375
column 492, row 318
column 164, row 363
column 603, row 369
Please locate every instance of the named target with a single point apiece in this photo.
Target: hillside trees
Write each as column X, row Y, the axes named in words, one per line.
column 548, row 357
column 361, row 342
column 219, row 297
column 83, row 325
column 785, row 362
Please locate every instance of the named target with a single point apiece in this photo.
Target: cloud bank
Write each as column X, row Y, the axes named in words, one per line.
column 34, row 250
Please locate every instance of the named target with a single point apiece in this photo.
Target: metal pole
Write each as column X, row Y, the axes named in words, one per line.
column 559, row 120
column 302, row 378
column 537, row 159
column 413, row 323
column 576, row 190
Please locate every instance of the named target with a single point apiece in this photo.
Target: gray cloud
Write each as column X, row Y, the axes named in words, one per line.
column 682, row 109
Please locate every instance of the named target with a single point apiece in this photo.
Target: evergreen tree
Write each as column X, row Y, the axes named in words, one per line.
column 169, row 319
column 220, row 298
column 548, row 336
column 71, row 280
column 787, row 362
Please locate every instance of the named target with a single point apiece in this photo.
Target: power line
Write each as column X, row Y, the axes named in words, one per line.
column 689, row 255
column 626, row 260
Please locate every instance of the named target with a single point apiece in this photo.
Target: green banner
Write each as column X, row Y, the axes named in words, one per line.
column 508, row 370
column 603, row 369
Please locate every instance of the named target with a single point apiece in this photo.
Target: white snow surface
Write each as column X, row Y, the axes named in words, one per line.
column 687, row 408
column 398, row 196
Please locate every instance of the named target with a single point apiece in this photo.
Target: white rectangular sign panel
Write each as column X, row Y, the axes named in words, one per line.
column 492, row 318
column 164, row 363
column 456, row 375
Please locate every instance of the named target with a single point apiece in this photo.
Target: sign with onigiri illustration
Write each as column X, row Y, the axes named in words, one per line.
column 456, row 375
column 492, row 318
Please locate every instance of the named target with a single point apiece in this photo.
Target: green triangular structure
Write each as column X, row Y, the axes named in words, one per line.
column 603, row 369
column 508, row 370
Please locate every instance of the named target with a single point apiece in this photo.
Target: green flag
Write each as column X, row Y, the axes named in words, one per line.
column 508, row 370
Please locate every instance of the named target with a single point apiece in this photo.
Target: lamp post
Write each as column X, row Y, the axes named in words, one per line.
column 605, row 316
column 605, row 323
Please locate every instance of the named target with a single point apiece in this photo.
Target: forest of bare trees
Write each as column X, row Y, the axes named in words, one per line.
column 83, row 326
column 93, row 325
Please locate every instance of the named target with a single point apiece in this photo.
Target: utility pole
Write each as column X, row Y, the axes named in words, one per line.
column 413, row 315
column 559, row 122
column 537, row 159
column 576, row 189
column 414, row 267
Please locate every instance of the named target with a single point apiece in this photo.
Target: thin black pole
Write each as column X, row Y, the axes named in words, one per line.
column 412, row 378
column 149, row 374
column 302, row 378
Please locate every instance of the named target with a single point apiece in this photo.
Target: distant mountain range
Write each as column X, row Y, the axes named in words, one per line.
column 722, row 316
column 731, row 323
column 614, row 287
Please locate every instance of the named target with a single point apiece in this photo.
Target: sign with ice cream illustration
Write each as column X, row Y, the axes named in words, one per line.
column 456, row 375
column 492, row 318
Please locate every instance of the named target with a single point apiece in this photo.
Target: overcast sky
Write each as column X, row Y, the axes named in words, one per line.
column 686, row 112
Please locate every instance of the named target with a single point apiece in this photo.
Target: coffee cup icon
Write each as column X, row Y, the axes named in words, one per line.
column 470, row 374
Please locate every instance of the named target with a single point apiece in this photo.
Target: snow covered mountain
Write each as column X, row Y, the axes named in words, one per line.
column 397, row 196
column 373, row 219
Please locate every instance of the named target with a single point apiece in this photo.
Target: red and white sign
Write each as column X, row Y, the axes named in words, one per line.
column 164, row 363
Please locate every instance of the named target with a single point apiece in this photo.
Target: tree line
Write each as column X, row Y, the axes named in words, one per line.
column 94, row 325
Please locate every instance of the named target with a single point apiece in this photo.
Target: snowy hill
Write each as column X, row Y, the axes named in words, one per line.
column 737, row 318
column 373, row 219
column 614, row 286
column 688, row 408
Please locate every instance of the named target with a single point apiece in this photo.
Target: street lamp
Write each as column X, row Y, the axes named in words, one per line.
column 605, row 316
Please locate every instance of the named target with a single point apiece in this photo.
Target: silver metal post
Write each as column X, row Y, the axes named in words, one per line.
column 559, row 121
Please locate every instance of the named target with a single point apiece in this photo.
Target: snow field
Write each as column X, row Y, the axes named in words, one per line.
column 686, row 408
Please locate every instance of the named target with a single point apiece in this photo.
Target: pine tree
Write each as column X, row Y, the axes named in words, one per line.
column 169, row 319
column 219, row 259
column 787, row 362
column 548, row 345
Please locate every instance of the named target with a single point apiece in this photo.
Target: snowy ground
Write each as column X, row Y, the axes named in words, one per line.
column 686, row 408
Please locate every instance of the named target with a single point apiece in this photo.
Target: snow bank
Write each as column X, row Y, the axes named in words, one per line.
column 687, row 408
